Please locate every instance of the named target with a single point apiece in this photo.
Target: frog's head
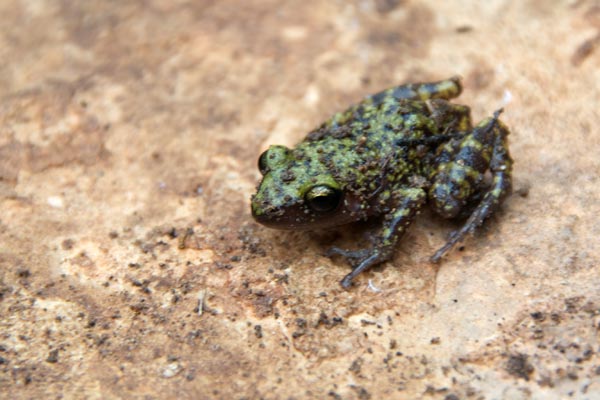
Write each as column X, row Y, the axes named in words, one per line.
column 297, row 192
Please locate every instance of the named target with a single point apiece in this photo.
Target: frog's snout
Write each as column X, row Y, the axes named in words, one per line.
column 262, row 210
column 266, row 214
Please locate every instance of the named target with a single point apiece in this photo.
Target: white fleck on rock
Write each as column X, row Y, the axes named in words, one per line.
column 373, row 288
column 507, row 97
column 55, row 201
column 294, row 32
column 201, row 296
column 311, row 96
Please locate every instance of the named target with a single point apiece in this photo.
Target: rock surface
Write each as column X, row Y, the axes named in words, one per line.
column 131, row 268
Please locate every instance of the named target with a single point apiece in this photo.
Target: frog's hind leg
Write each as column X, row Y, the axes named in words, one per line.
column 459, row 177
column 442, row 90
column 453, row 117
column 446, row 90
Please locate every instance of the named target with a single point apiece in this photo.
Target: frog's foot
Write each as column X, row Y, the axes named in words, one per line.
column 454, row 238
column 373, row 258
column 354, row 257
column 361, row 260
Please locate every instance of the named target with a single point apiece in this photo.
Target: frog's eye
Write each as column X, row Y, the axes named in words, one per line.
column 323, row 198
column 262, row 163
column 272, row 157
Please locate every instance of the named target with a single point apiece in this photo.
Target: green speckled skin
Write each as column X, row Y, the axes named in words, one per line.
column 387, row 157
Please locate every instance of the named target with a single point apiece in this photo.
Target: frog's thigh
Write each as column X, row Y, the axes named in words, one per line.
column 446, row 89
column 460, row 170
column 450, row 116
column 457, row 180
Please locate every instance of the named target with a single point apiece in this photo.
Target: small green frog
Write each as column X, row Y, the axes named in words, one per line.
column 387, row 157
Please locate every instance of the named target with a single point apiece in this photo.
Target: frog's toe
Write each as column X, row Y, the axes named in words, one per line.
column 372, row 258
column 347, row 281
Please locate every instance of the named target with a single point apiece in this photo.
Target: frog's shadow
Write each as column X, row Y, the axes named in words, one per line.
column 360, row 234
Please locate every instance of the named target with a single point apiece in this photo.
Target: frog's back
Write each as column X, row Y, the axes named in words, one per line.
column 377, row 119
column 361, row 144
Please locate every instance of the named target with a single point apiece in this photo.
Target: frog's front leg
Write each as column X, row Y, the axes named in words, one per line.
column 404, row 205
column 459, row 177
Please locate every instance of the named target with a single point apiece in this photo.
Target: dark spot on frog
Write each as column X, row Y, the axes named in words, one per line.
column 288, row 176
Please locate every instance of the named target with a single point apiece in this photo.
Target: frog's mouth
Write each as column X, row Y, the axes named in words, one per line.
column 288, row 218
column 300, row 217
column 271, row 217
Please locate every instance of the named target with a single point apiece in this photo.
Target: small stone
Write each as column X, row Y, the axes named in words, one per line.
column 171, row 370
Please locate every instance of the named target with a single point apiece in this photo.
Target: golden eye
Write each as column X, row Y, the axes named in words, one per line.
column 323, row 198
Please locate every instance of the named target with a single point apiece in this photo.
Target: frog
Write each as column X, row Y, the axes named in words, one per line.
column 387, row 158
